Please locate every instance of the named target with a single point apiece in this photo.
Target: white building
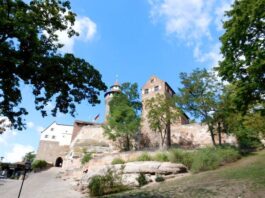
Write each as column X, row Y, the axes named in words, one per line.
column 54, row 143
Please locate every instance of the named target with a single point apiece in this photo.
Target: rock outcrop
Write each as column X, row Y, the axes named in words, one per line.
column 130, row 171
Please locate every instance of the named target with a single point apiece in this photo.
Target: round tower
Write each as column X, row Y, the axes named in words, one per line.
column 114, row 89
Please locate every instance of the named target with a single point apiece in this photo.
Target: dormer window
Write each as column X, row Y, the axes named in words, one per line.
column 146, row 91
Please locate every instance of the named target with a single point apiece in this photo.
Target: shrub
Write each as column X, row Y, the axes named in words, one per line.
column 144, row 157
column 180, row 156
column 159, row 178
column 211, row 158
column 39, row 164
column 86, row 158
column 106, row 184
column 142, row 179
column 161, row 157
column 117, row 161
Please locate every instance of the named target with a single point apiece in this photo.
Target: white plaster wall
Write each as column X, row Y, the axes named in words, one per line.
column 58, row 133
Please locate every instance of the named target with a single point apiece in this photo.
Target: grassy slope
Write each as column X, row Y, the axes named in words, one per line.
column 245, row 178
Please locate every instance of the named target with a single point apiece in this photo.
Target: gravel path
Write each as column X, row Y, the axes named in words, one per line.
column 39, row 185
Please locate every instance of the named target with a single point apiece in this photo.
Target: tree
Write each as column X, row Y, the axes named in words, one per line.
column 29, row 55
column 123, row 121
column 243, row 49
column 30, row 156
column 200, row 95
column 161, row 113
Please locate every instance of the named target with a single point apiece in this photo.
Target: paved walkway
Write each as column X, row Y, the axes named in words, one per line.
column 39, row 185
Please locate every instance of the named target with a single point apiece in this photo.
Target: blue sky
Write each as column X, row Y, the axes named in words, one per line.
column 131, row 39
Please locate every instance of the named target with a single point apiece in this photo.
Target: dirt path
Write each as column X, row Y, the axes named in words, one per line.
column 39, row 185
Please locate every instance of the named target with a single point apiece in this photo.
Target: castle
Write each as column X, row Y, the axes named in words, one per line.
column 64, row 145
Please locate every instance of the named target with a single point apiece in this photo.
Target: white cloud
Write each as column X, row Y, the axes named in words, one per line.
column 85, row 27
column 188, row 20
column 30, row 125
column 193, row 21
column 17, row 153
column 40, row 129
column 212, row 56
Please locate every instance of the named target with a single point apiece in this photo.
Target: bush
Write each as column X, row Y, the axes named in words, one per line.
column 180, row 156
column 248, row 140
column 161, row 157
column 117, row 161
column 159, row 178
column 39, row 164
column 86, row 158
column 144, row 157
column 211, row 158
column 142, row 179
column 106, row 184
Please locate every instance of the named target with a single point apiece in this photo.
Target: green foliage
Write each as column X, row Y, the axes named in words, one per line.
column 39, row 164
column 200, row 96
column 211, row 158
column 30, row 156
column 181, row 156
column 161, row 112
column 144, row 157
column 106, row 184
column 142, row 179
column 123, row 121
column 159, row 178
column 244, row 52
column 161, row 157
column 86, row 158
column 117, row 161
column 29, row 56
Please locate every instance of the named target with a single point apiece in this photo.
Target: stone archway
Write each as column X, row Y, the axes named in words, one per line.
column 59, row 162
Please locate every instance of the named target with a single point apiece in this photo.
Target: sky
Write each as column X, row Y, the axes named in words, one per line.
column 128, row 41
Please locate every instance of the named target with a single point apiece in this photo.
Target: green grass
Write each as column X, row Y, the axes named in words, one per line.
column 144, row 157
column 254, row 172
column 117, row 161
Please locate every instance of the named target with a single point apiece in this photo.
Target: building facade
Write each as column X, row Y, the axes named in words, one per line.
column 54, row 143
column 150, row 89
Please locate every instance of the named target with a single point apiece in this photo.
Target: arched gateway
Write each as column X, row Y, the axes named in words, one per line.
column 59, row 162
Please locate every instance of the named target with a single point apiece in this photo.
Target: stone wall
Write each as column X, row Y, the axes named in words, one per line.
column 50, row 151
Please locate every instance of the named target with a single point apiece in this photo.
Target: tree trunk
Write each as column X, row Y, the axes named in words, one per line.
column 168, row 137
column 212, row 134
column 127, row 143
column 219, row 133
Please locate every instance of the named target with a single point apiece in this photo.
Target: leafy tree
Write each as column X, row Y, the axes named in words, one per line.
column 123, row 121
column 200, row 95
column 161, row 113
column 30, row 156
column 29, row 56
column 243, row 49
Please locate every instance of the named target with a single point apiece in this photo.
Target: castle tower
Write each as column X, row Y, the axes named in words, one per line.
column 114, row 89
column 152, row 87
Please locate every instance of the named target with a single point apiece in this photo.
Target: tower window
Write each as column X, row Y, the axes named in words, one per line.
column 156, row 88
column 146, row 91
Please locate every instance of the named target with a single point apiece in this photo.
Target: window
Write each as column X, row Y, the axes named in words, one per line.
column 156, row 88
column 46, row 136
column 152, row 80
column 53, row 137
column 51, row 129
column 146, row 91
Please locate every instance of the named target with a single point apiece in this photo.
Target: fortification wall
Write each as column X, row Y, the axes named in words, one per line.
column 50, row 151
